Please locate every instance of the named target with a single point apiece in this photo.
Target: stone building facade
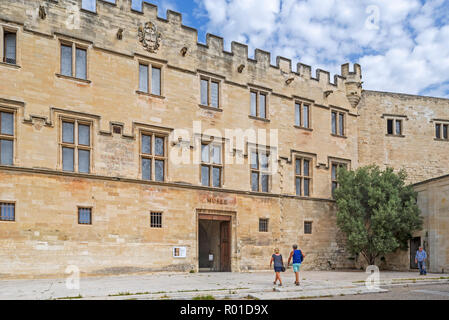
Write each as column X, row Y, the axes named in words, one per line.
column 127, row 146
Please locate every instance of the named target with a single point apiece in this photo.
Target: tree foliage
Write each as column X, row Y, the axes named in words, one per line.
column 376, row 210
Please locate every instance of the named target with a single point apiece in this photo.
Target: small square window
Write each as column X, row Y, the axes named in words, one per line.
column 84, row 215
column 7, row 212
column 307, row 227
column 156, row 220
column 263, row 225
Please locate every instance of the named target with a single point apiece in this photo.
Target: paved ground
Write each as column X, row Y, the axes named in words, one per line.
column 256, row 285
column 407, row 292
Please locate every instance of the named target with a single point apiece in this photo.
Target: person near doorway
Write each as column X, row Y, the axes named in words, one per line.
column 298, row 257
column 276, row 258
column 420, row 259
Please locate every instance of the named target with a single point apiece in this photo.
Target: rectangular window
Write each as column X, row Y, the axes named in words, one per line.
column 143, row 78
column 305, row 116
column 156, row 81
column 7, row 211
column 156, row 220
column 398, row 127
column 153, row 156
column 334, row 123
column 389, row 126
column 263, row 225
column 307, row 227
column 341, row 127
column 9, row 53
column 66, row 60
column 438, row 131
column 303, row 176
column 302, row 115
column 441, row 131
column 335, row 166
column 71, row 52
column 210, row 92
column 394, row 127
column 76, row 145
column 84, row 215
column 260, row 177
column 81, row 63
column 258, row 107
column 338, row 123
column 211, row 165
column 6, row 138
column 90, row 5
column 445, row 133
column 297, row 114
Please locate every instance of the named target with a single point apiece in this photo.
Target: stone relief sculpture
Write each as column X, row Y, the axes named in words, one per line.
column 150, row 37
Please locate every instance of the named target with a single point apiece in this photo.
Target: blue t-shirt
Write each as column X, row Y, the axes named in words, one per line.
column 297, row 256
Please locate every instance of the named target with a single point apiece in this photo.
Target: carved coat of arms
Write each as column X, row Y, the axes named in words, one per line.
column 150, row 37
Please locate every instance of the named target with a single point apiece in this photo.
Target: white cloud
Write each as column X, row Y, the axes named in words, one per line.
column 402, row 45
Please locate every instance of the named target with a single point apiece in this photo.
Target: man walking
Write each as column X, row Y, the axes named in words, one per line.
column 298, row 257
column 420, row 259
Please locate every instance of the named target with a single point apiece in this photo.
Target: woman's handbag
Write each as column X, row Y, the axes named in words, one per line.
column 283, row 269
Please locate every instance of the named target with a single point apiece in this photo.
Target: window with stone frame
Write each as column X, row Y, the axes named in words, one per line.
column 76, row 145
column 211, row 165
column 335, row 166
column 73, row 60
column 10, row 47
column 260, row 171
column 302, row 115
column 84, row 215
column 263, row 225
column 7, row 211
column 441, row 131
column 150, row 77
column 153, row 156
column 338, row 123
column 6, row 138
column 156, row 219
column 394, row 127
column 210, row 92
column 307, row 227
column 258, row 104
column 303, row 176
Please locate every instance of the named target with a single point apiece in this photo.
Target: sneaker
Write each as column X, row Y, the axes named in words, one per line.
column 297, row 283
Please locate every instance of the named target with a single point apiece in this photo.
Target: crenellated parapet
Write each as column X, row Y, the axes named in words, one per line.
column 120, row 29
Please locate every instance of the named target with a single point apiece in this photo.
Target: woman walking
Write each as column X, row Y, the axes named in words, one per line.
column 278, row 265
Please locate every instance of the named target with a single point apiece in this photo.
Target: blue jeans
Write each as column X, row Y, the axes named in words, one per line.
column 422, row 267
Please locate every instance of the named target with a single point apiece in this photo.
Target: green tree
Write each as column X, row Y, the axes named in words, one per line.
column 376, row 210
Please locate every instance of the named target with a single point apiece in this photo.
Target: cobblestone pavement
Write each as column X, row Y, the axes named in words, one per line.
column 257, row 285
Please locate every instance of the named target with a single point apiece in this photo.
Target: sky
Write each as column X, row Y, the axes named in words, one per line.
column 402, row 45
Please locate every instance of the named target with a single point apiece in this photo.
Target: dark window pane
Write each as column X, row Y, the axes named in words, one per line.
column 254, row 181
column 254, row 160
column 341, row 124
column 398, row 127
column 216, row 177
column 146, row 169
column 334, row 123
column 68, row 159
column 156, row 220
column 10, row 47
column 143, row 78
column 6, row 150
column 214, row 94
column 334, row 172
column 7, row 211
column 216, row 154
column 81, row 63
column 66, row 60
column 305, row 116
column 297, row 114
column 159, row 146
column 438, row 131
column 146, row 144
column 204, row 92
column 298, row 186
column 205, row 176
column 254, row 104
column 68, row 132
column 7, row 124
column 298, row 166
column 84, row 135
column 265, row 182
column 306, row 187
column 83, row 161
column 390, row 126
column 159, row 170
column 445, row 128
column 263, row 225
column 306, row 168
column 308, row 227
column 156, row 81
column 334, row 186
column 205, row 153
column 84, row 216
column 262, row 106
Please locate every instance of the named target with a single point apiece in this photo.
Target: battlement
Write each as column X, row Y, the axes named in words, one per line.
column 100, row 27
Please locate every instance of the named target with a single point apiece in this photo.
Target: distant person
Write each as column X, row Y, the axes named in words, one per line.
column 298, row 257
column 278, row 266
column 420, row 259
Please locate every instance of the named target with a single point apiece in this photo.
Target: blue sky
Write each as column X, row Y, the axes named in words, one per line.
column 402, row 45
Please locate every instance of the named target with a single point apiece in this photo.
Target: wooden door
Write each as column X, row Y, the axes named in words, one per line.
column 225, row 246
